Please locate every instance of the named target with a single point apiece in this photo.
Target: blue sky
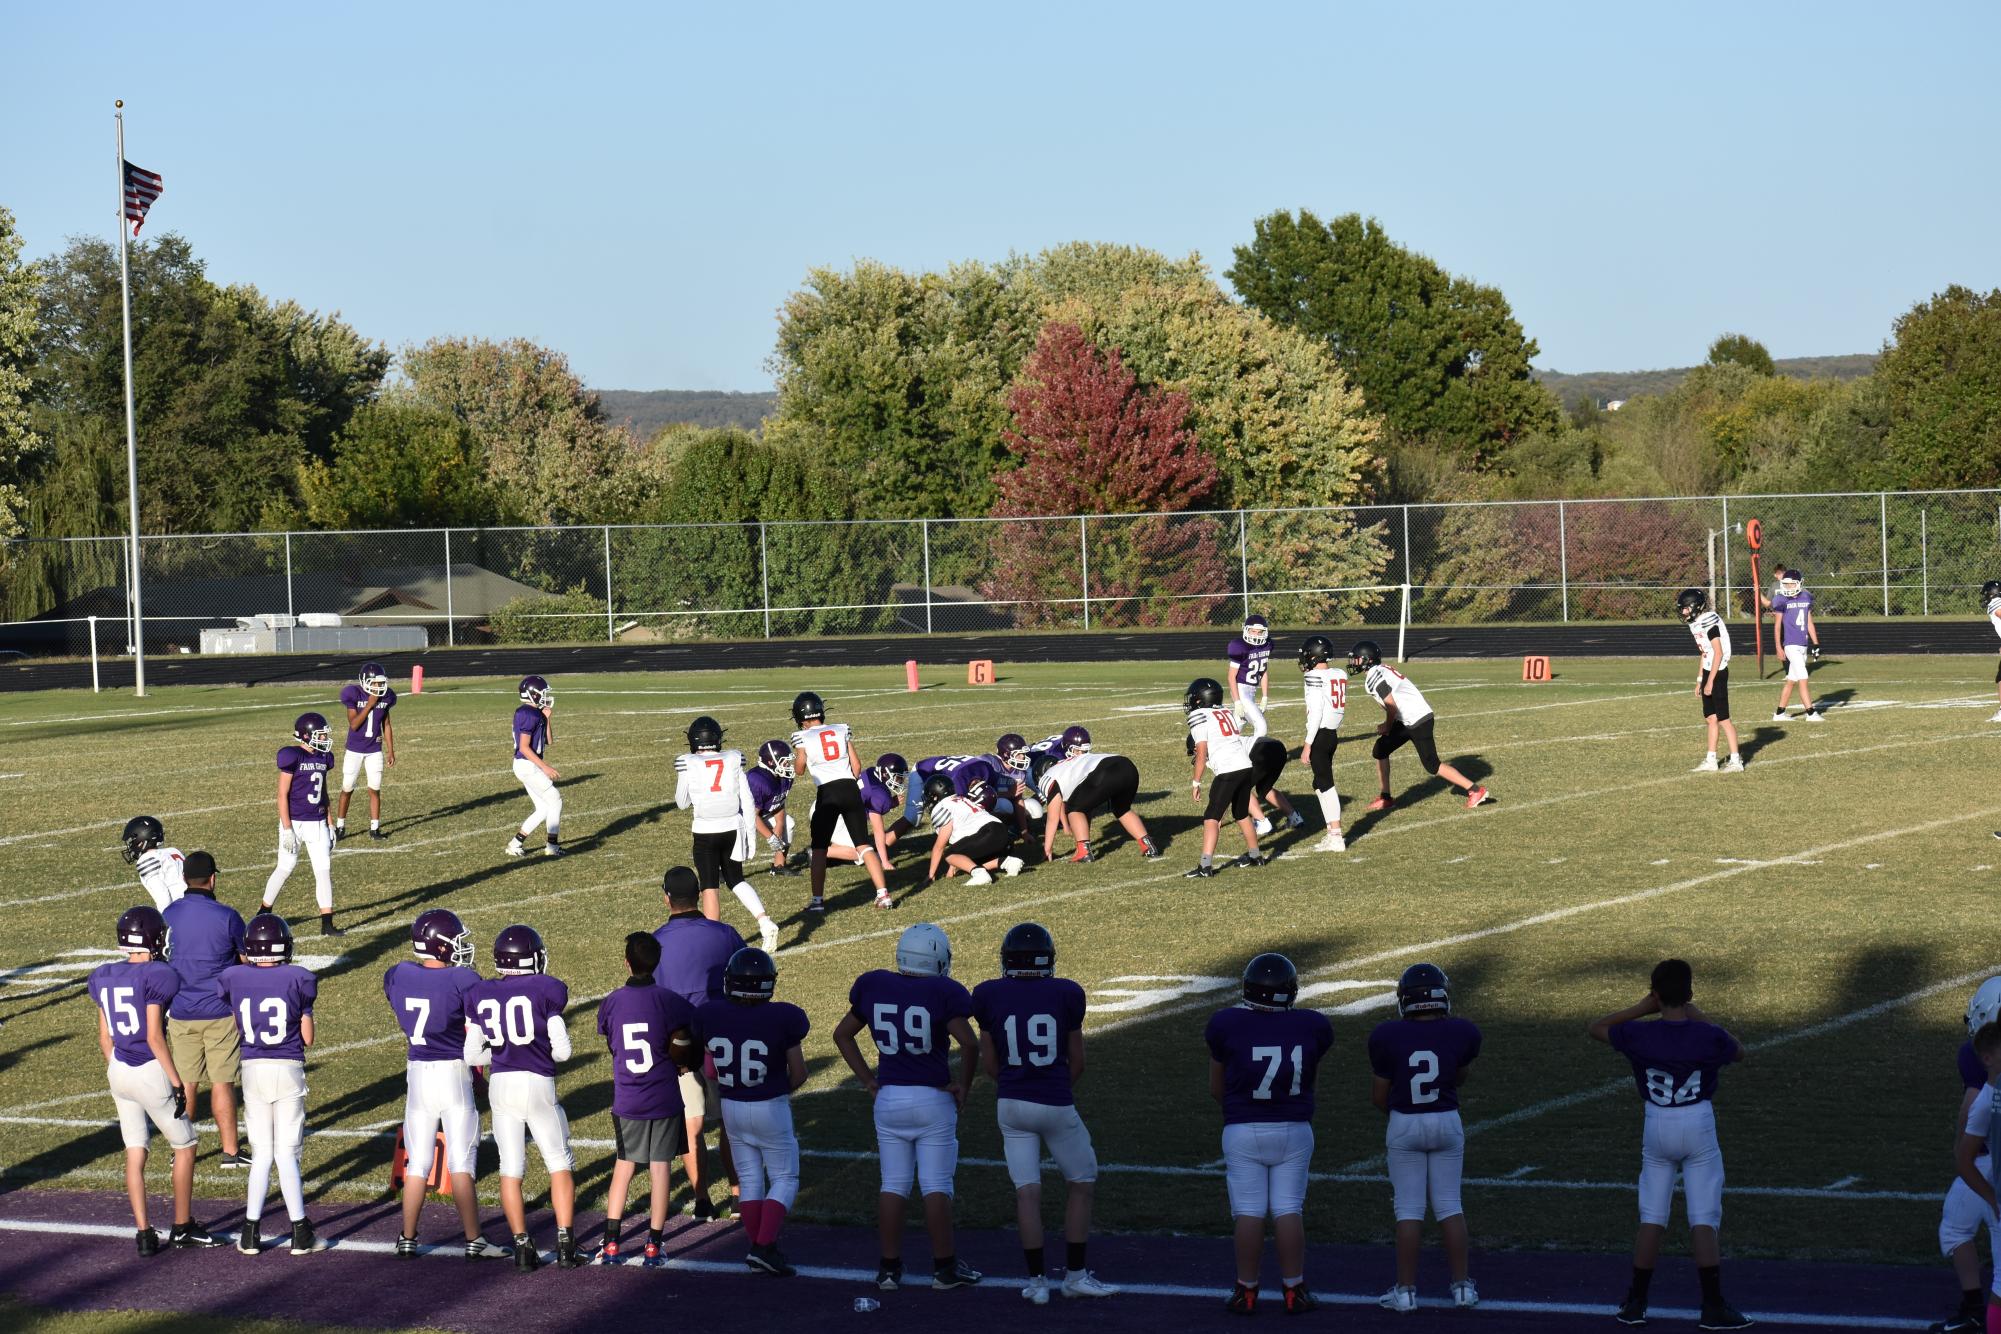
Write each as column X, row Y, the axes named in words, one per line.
column 641, row 185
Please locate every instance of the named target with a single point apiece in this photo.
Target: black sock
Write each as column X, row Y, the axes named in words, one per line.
column 653, row 1236
column 893, row 1266
column 563, row 1237
column 1712, row 1284
column 1075, row 1260
column 611, row 1227
column 945, row 1264
column 1971, row 1300
column 1032, row 1255
column 1642, row 1280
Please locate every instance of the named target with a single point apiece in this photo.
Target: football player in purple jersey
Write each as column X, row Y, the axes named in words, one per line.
column 1249, row 678
column 534, row 732
column 1263, row 1058
column 1419, row 1059
column 371, row 744
column 753, row 1043
column 913, row 1015
column 427, row 995
column 1964, row 1213
column 132, row 996
column 771, row 783
column 883, row 785
column 1032, row 1043
column 303, row 769
column 647, row 1028
column 1676, row 1060
column 272, row 998
column 1974, row 1143
column 515, row 1022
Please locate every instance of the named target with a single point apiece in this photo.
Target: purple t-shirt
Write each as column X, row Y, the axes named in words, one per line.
column 963, row 770
column 1421, row 1058
column 693, row 951
column 636, row 1020
column 529, row 722
column 1793, row 610
column 1253, row 661
column 307, row 799
column 1269, row 1059
column 1675, row 1062
column 367, row 739
column 747, row 1042
column 1971, row 1072
column 269, row 1002
column 1030, row 1020
column 515, row 1014
column 206, row 937
column 875, row 798
column 908, row 1018
column 123, row 991
column 430, row 1008
column 768, row 790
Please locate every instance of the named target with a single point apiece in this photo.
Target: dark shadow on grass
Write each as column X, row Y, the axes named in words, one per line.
column 1750, row 742
column 504, row 795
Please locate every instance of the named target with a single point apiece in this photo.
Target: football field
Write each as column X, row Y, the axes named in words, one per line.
column 1833, row 898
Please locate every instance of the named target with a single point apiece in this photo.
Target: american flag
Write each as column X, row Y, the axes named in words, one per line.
column 142, row 187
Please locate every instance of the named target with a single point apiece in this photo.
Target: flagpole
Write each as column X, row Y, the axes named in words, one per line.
column 131, row 427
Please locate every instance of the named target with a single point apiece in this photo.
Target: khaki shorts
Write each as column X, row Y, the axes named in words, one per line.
column 699, row 1095
column 206, row 1051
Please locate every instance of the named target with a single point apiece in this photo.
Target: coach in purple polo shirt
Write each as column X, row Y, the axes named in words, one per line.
column 693, row 953
column 205, row 937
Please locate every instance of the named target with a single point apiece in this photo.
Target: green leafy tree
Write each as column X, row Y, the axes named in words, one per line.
column 1440, row 358
column 1737, row 349
column 1941, row 378
column 19, row 442
column 400, row 464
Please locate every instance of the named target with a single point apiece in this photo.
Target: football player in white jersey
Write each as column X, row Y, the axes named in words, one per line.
column 827, row 752
column 712, row 781
column 1712, row 681
column 970, row 837
column 1326, row 705
column 159, row 866
column 1409, row 719
column 1215, row 743
column 1990, row 598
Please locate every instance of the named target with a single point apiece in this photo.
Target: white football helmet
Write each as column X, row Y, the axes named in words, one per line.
column 1985, row 1007
column 1257, row 630
column 923, row 950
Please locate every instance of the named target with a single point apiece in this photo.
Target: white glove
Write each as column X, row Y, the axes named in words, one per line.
column 476, row 1052
column 288, row 839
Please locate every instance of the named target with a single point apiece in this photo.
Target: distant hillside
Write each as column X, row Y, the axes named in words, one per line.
column 1605, row 386
column 644, row 411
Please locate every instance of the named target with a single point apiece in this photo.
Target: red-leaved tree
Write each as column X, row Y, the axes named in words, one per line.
column 1092, row 440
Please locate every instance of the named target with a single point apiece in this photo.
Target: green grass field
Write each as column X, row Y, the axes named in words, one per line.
column 1832, row 899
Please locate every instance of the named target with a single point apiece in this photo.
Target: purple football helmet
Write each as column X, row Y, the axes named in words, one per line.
column 517, row 952
column 143, row 928
column 311, row 731
column 775, row 756
column 373, row 680
column 893, row 772
column 267, row 939
column 439, row 934
column 1075, row 741
column 1012, row 749
column 535, row 692
column 1257, row 630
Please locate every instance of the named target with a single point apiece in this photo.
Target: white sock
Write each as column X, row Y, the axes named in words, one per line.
column 747, row 896
column 1712, row 754
column 375, row 824
column 1330, row 808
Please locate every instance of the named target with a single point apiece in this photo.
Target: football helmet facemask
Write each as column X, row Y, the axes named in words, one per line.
column 1257, row 631
column 373, row 680
column 775, row 756
column 311, row 731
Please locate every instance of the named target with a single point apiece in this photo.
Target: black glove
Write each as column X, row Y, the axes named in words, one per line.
column 1814, row 652
column 180, row 1100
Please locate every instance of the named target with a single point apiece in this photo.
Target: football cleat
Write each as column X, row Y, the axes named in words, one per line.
column 1960, row 1323
column 1150, row 850
column 553, row 850
column 1243, row 1300
column 479, row 1248
column 249, row 1243
column 1995, row 719
column 1082, row 854
column 1331, row 841
column 378, row 836
column 1381, row 803
column 1199, row 873
column 607, row 1254
column 1036, row 1291
column 1298, row 1301
column 1632, row 1311
column 960, row 1275
column 190, row 1236
column 232, row 1162
column 149, row 1241
column 1779, row 715
column 1708, row 766
column 1399, row 1299
column 514, row 848
column 1813, row 716
column 327, row 928
column 1250, row 861
column 1722, row 1316
column 1263, row 826
column 767, row 934
column 1083, row 1283
column 1010, row 866
column 980, row 876
column 820, row 904
column 1294, row 820
column 526, row 1258
column 882, row 900
column 771, row 1260
column 406, row 1247
column 1464, row 1295
column 1479, row 796
column 654, row 1259
column 567, row 1254
column 304, row 1242
column 889, row 1277
column 1734, row 765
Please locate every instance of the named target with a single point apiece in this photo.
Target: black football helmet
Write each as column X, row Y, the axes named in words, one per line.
column 750, row 975
column 1423, row 989
column 1204, row 692
column 1691, row 602
column 705, row 733
column 1989, row 591
column 981, row 793
column 936, row 788
column 1028, row 950
column 439, row 934
column 1366, row 654
column 518, row 951
column 808, row 708
column 267, row 939
column 1270, row 982
column 1317, row 649
column 1038, row 767
column 142, row 834
column 143, row 928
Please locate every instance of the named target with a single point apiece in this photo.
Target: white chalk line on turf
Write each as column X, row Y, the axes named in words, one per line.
column 1006, row 1285
column 1565, row 913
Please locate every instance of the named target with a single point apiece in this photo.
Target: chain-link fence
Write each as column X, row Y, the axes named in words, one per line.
column 1872, row 554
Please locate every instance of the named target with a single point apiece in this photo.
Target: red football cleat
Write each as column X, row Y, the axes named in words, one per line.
column 1379, row 804
column 1475, row 797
